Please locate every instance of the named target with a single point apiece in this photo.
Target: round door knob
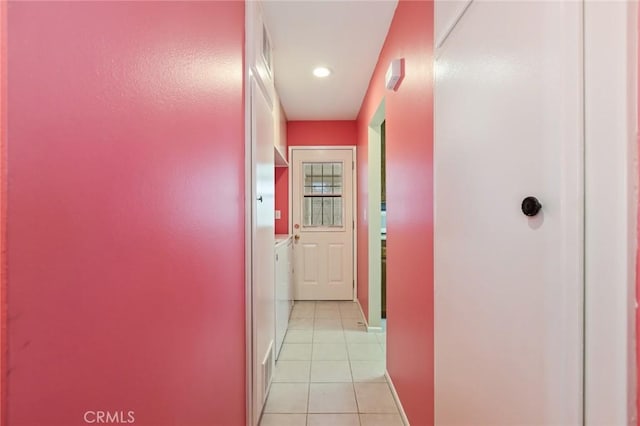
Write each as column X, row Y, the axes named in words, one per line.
column 531, row 206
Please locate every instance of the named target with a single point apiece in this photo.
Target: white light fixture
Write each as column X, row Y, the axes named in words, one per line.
column 321, row 72
column 394, row 75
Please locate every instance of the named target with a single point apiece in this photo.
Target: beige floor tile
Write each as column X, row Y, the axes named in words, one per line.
column 287, row 398
column 382, row 337
column 375, row 398
column 327, row 305
column 381, row 420
column 295, row 352
column 351, row 313
column 301, row 324
column 283, row 420
column 327, row 314
column 332, row 398
column 330, row 371
column 292, row 371
column 328, row 324
column 333, row 420
column 355, row 336
column 300, row 306
column 353, row 324
column 348, row 305
column 330, row 352
column 328, row 336
column 303, row 313
column 299, row 336
column 368, row 371
column 365, row 352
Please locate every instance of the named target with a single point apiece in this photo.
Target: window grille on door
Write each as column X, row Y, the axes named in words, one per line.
column 322, row 201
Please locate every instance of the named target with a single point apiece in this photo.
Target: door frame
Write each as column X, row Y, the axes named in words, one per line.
column 611, row 202
column 354, row 196
column 374, row 155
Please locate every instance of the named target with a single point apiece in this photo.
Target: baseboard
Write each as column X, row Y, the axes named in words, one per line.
column 366, row 323
column 396, row 398
column 364, row 317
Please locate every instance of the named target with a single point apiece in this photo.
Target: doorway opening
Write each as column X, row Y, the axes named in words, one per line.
column 383, row 224
column 377, row 218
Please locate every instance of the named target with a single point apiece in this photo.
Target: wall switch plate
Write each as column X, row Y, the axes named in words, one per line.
column 277, row 214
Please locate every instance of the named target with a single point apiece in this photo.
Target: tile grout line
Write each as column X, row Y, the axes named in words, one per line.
column 353, row 383
column 313, row 332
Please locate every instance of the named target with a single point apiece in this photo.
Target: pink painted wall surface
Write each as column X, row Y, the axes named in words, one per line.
column 126, row 278
column 282, row 199
column 409, row 180
column 3, row 212
column 310, row 133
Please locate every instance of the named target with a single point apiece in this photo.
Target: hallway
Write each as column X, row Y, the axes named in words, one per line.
column 330, row 371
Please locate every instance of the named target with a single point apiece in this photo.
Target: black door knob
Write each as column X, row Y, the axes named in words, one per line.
column 531, row 206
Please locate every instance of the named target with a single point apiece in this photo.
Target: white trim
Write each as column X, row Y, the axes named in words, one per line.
column 366, row 324
column 442, row 37
column 610, row 205
column 374, row 156
column 354, row 194
column 396, row 398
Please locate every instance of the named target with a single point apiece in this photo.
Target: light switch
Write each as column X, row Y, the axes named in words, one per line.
column 277, row 214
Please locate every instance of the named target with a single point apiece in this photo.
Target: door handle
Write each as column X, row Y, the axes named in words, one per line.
column 259, row 198
column 296, row 237
column 531, row 206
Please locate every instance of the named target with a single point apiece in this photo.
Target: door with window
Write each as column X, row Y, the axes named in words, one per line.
column 323, row 223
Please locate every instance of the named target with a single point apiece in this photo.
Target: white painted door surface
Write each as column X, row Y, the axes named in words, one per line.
column 322, row 217
column 263, row 274
column 508, row 287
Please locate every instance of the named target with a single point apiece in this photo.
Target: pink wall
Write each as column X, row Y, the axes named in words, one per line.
column 409, row 179
column 309, row 133
column 126, row 276
column 3, row 213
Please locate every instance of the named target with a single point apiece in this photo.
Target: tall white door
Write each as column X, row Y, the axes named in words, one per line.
column 263, row 274
column 323, row 223
column 508, row 286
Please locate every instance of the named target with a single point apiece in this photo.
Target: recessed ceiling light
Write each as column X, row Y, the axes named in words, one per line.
column 321, row 72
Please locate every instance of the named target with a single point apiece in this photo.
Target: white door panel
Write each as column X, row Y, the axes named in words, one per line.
column 336, row 254
column 322, row 217
column 263, row 273
column 508, row 288
column 309, row 270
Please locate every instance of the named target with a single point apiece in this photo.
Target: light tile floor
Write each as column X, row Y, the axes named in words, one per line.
column 330, row 371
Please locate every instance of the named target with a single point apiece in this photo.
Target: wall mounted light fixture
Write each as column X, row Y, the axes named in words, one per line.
column 395, row 74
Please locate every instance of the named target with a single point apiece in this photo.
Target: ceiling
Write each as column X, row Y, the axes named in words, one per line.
column 345, row 36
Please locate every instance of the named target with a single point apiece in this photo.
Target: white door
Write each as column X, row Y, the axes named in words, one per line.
column 509, row 287
column 263, row 274
column 323, row 223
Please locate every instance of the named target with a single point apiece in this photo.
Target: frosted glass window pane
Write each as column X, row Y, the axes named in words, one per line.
column 327, row 211
column 322, row 203
column 337, row 211
column 316, row 215
column 307, row 211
